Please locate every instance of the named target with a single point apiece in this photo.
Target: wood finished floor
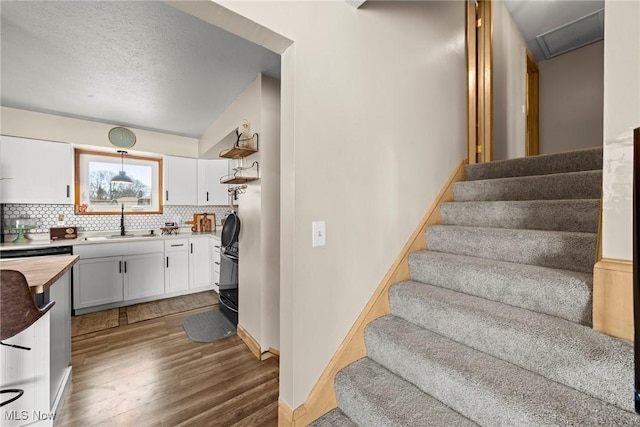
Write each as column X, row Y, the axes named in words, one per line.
column 150, row 374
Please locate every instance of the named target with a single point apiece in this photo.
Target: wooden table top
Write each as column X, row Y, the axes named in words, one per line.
column 41, row 272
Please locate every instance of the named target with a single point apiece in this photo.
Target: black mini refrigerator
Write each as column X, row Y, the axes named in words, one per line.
column 229, row 259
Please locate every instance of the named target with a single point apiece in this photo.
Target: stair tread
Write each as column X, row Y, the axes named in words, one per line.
column 333, row 418
column 577, row 160
column 555, row 249
column 485, row 389
column 569, row 185
column 562, row 293
column 564, row 215
column 582, row 358
column 388, row 400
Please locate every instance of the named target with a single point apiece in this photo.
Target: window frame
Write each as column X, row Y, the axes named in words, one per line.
column 80, row 173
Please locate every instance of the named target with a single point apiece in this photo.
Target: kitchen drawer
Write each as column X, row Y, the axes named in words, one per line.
column 99, row 250
column 174, row 245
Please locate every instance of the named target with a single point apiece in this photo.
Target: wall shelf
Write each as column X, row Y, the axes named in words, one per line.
column 234, row 178
column 243, row 147
column 238, row 180
column 237, row 152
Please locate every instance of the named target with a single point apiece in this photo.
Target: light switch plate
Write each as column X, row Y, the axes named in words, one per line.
column 318, row 237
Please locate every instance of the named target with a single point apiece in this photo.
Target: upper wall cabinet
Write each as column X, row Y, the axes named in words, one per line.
column 210, row 191
column 35, row 171
column 180, row 181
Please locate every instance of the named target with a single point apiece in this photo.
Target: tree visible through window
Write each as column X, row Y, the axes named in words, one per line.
column 96, row 193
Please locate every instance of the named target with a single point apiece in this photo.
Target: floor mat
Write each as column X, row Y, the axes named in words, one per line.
column 208, row 326
column 94, row 322
column 165, row 307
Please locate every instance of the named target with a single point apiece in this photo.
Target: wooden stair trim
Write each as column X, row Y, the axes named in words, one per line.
column 322, row 398
column 613, row 298
column 249, row 341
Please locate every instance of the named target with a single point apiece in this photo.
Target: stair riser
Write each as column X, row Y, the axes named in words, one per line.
column 580, row 216
column 561, row 351
column 333, row 418
column 372, row 396
column 487, row 390
column 562, row 294
column 580, row 185
column 570, row 251
column 574, row 161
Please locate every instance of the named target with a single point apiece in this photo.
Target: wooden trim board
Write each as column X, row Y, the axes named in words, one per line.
column 285, row 415
column 322, row 398
column 613, row 298
column 250, row 342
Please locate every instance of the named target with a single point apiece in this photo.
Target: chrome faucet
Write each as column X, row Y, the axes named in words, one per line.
column 122, row 221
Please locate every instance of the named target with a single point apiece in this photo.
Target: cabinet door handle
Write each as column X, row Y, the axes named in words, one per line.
column 181, row 244
column 167, row 262
column 191, row 247
column 166, row 195
column 120, row 267
column 68, row 191
column 207, row 196
column 125, row 267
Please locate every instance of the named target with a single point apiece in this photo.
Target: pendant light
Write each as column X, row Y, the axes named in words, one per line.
column 122, row 177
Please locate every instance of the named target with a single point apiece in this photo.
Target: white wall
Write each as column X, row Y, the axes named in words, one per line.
column 258, row 208
column 373, row 123
column 270, row 214
column 571, row 100
column 50, row 127
column 246, row 106
column 509, row 85
column 621, row 116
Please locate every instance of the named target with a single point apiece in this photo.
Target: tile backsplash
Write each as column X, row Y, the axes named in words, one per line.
column 45, row 216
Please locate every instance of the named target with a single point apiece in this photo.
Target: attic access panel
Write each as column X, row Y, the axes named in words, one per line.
column 574, row 35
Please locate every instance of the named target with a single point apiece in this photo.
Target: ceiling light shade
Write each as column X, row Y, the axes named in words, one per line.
column 122, row 177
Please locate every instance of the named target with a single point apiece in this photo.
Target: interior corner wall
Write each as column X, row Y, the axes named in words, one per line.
column 49, row 127
column 374, row 125
column 621, row 116
column 270, row 214
column 509, row 85
column 571, row 100
column 246, row 106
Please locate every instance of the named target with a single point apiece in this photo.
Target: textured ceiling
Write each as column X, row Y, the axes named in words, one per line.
column 535, row 17
column 135, row 63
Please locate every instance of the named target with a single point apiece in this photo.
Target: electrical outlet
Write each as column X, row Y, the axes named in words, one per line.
column 319, row 237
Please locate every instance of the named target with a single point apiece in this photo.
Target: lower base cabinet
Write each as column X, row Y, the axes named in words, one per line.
column 97, row 281
column 112, row 274
column 143, row 276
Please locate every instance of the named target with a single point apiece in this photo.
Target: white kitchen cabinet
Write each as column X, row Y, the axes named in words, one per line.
column 214, row 244
column 199, row 263
column 176, row 276
column 180, row 181
column 210, row 191
column 143, row 276
column 97, row 281
column 35, row 171
column 114, row 273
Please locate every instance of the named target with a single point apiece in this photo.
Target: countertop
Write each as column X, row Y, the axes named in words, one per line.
column 42, row 241
column 41, row 272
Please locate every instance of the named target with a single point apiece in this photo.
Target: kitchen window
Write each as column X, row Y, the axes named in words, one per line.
column 96, row 194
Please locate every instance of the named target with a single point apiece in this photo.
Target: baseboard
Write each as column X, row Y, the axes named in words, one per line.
column 322, row 398
column 613, row 298
column 290, row 418
column 271, row 353
column 250, row 342
column 285, row 415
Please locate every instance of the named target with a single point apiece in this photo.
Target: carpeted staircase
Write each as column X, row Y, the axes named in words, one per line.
column 494, row 327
